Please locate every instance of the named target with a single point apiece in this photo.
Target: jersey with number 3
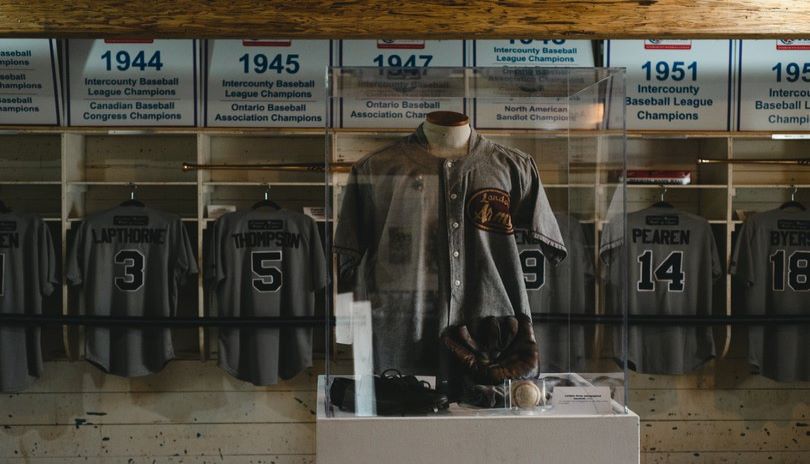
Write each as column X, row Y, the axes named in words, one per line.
column 130, row 261
column 265, row 263
column 673, row 262
column 772, row 261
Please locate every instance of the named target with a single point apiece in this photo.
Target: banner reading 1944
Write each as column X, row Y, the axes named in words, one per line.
column 132, row 82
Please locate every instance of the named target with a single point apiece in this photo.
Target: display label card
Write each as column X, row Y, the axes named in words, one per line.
column 581, row 400
column 266, row 82
column 556, row 53
column 675, row 84
column 774, row 85
column 397, row 104
column 132, row 82
column 29, row 83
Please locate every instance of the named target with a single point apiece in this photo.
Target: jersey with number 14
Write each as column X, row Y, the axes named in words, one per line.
column 265, row 263
column 673, row 263
column 130, row 261
column 772, row 260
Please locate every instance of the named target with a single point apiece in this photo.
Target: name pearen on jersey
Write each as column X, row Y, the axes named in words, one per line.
column 130, row 261
column 265, row 263
column 673, row 262
column 27, row 274
column 772, row 261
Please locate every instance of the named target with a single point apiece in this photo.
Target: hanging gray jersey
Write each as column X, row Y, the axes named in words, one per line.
column 430, row 241
column 672, row 262
column 772, row 260
column 567, row 288
column 27, row 274
column 265, row 263
column 130, row 261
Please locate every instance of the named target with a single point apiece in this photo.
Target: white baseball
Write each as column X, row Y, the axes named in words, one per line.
column 525, row 394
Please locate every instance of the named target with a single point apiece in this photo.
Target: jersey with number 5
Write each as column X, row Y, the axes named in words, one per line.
column 130, row 261
column 772, row 261
column 673, row 263
column 265, row 263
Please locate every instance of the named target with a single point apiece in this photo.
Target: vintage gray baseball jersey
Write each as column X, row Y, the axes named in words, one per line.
column 672, row 265
column 772, row 260
column 265, row 263
column 27, row 274
column 567, row 288
column 430, row 243
column 130, row 261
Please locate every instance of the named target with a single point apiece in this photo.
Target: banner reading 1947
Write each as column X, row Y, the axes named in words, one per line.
column 266, row 82
column 132, row 82
column 29, row 83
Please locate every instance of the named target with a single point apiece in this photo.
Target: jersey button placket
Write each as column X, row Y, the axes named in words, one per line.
column 456, row 239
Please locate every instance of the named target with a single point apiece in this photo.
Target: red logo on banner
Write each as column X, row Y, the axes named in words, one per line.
column 128, row 41
column 790, row 44
column 266, row 43
column 401, row 44
column 654, row 44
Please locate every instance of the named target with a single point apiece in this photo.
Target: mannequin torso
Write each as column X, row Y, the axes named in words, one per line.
column 447, row 140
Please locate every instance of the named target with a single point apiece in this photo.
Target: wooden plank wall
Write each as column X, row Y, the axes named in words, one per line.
column 191, row 412
column 402, row 19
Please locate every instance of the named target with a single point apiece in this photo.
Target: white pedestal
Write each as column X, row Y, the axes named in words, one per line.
column 473, row 436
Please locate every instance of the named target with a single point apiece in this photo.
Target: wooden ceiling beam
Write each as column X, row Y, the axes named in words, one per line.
column 403, row 19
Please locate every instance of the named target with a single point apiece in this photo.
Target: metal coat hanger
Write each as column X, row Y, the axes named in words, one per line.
column 661, row 202
column 793, row 203
column 267, row 201
column 132, row 201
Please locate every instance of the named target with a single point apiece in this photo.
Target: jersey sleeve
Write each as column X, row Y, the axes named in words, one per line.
column 185, row 264
column 534, row 214
column 317, row 262
column 353, row 231
column 742, row 265
column 75, row 264
column 47, row 261
column 717, row 266
column 214, row 270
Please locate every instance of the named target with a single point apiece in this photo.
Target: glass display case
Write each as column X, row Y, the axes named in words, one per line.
column 479, row 223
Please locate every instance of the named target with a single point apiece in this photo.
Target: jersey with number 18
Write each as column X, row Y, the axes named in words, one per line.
column 130, row 261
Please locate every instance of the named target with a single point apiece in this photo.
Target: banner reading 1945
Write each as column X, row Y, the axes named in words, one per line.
column 266, row 82
column 132, row 82
column 29, row 83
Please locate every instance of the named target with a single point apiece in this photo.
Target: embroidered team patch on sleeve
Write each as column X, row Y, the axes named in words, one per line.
column 489, row 209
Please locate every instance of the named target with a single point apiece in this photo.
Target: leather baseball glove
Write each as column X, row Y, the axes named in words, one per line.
column 503, row 348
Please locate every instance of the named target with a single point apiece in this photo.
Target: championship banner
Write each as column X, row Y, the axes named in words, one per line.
column 141, row 82
column 401, row 95
column 774, row 85
column 29, row 82
column 265, row 82
column 675, row 84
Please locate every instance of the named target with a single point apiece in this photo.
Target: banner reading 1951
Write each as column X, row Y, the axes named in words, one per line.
column 675, row 84
column 266, row 82
column 392, row 106
column 29, row 83
column 132, row 82
column 774, row 89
